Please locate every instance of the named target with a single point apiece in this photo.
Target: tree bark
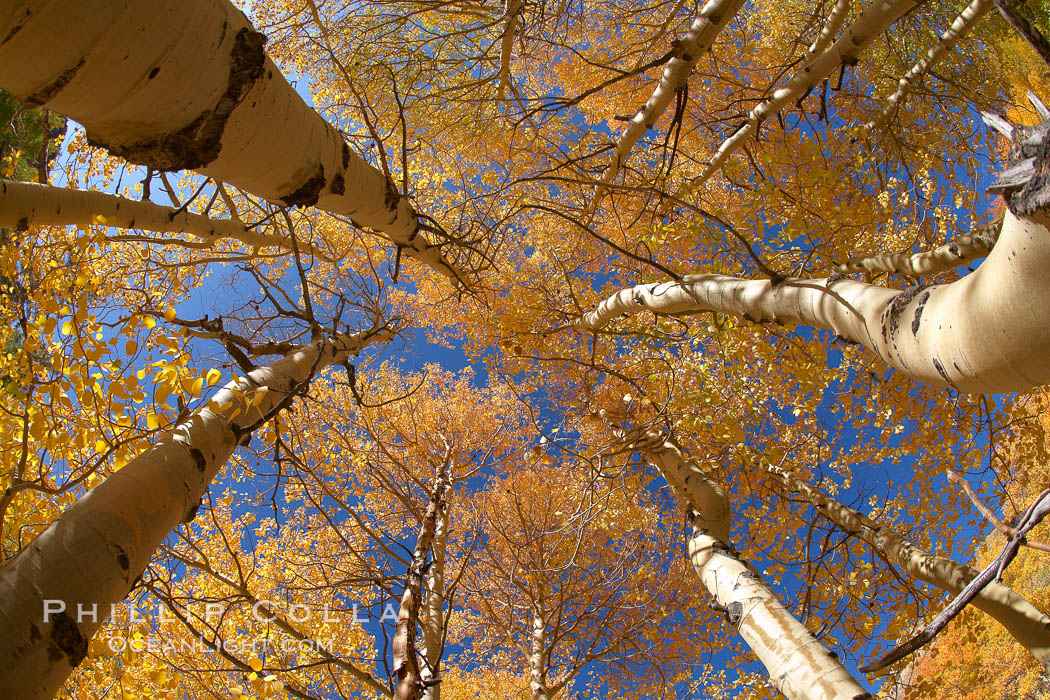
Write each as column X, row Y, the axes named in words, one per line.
column 702, row 33
column 962, row 249
column 434, row 608
column 406, row 665
column 798, row 664
column 871, row 24
column 538, row 658
column 25, row 204
column 1021, row 619
column 94, row 553
column 831, row 27
column 988, row 332
column 185, row 84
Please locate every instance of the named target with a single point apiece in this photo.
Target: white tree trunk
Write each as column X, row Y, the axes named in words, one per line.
column 962, row 249
column 831, row 27
column 960, row 27
column 185, row 84
column 987, row 332
column 92, row 555
column 1021, row 619
column 25, row 204
column 870, row 25
column 798, row 664
column 702, row 33
column 538, row 658
column 434, row 609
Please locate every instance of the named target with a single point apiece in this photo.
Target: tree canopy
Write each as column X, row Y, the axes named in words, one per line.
column 425, row 349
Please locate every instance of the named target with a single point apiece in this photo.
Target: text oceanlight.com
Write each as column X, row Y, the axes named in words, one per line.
column 212, row 613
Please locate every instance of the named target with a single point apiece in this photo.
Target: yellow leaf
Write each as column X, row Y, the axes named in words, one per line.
column 99, row 219
column 152, row 421
column 131, row 347
column 67, row 327
column 101, row 446
column 260, row 394
column 213, row 376
column 169, row 315
column 149, row 322
column 195, row 387
column 256, row 665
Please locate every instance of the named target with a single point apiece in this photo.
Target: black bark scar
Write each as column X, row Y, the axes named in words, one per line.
column 200, row 142
column 66, row 640
column 940, row 370
column 918, row 313
column 308, row 193
column 891, row 318
column 122, row 558
column 46, row 94
column 198, row 459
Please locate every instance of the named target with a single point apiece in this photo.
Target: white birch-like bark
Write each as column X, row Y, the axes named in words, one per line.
column 962, row 249
column 798, row 664
column 831, row 27
column 702, row 33
column 960, row 27
column 185, row 84
column 92, row 555
column 870, row 25
column 26, row 204
column 434, row 609
column 434, row 622
column 988, row 332
column 1021, row 619
column 515, row 8
column 538, row 658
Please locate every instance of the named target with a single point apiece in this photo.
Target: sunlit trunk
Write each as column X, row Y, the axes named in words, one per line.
column 1021, row 619
column 185, row 84
column 92, row 555
column 538, row 658
column 25, row 204
column 798, row 664
column 987, row 332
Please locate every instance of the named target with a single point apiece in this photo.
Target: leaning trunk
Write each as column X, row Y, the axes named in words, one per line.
column 406, row 665
column 93, row 554
column 434, row 620
column 185, row 84
column 798, row 664
column 988, row 332
column 26, row 204
column 1021, row 619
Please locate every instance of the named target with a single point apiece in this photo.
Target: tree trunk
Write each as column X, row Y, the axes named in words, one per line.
column 1021, row 619
column 871, row 24
column 798, row 664
column 93, row 554
column 25, row 204
column 434, row 609
column 988, row 332
column 960, row 250
column 713, row 18
column 406, row 665
column 960, row 27
column 538, row 658
column 185, row 84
